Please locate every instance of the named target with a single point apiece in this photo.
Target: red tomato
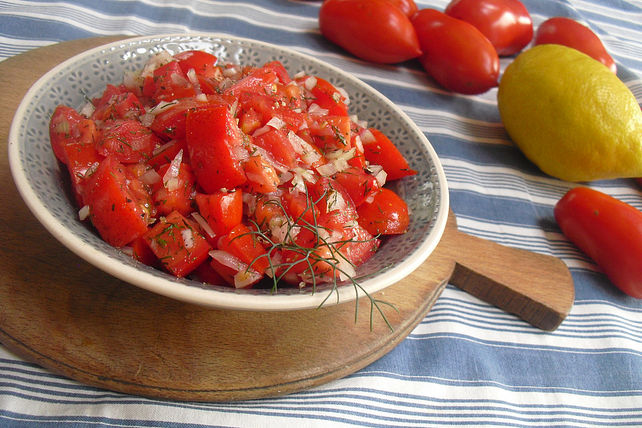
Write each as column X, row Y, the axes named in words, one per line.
column 241, row 242
column 358, row 183
column 455, row 53
column 326, row 96
column 609, row 231
column 360, row 246
column 169, row 83
column 408, row 7
column 169, row 123
column 81, row 159
column 222, row 210
column 203, row 63
column 128, row 140
column 387, row 214
column 178, row 244
column 379, row 150
column 506, row 23
column 117, row 103
column 215, row 146
column 166, row 153
column 117, row 206
column 373, row 30
column 261, row 176
column 568, row 32
column 67, row 126
column 176, row 192
column 276, row 143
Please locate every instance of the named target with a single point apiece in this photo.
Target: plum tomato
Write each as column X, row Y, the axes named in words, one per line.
column 455, row 53
column 568, row 32
column 408, row 7
column 506, row 23
column 608, row 230
column 387, row 214
column 373, row 30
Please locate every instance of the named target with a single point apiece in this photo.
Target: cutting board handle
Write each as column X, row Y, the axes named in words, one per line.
column 536, row 287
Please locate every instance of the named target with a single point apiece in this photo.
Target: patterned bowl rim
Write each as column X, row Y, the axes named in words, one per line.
column 211, row 297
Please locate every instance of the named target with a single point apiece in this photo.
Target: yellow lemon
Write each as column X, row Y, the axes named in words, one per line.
column 570, row 115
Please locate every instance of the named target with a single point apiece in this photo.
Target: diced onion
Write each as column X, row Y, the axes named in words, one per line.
column 315, row 110
column 327, row 169
column 83, row 213
column 161, row 148
column 344, row 94
column 378, row 173
column 260, row 131
column 188, row 238
column 358, row 143
column 193, row 79
column 276, row 123
column 170, row 179
column 204, row 224
column 346, row 269
column 367, row 137
column 310, row 83
column 150, row 177
column 87, row 110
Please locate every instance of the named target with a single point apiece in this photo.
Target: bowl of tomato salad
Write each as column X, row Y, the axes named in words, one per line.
column 228, row 172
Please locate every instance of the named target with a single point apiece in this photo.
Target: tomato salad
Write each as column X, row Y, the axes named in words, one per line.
column 231, row 174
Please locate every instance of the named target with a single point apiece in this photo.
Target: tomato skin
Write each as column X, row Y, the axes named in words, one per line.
column 387, row 214
column 203, row 63
column 214, row 142
column 568, row 32
column 116, row 209
column 373, row 30
column 67, row 126
column 221, row 210
column 382, row 151
column 126, row 139
column 178, row 244
column 408, row 7
column 506, row 23
column 180, row 198
column 608, row 230
column 455, row 53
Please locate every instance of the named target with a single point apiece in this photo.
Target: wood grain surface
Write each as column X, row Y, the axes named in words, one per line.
column 65, row 315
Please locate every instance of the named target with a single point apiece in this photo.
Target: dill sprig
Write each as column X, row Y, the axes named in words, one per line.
column 310, row 257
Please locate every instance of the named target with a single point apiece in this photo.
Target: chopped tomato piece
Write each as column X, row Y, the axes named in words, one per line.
column 222, row 210
column 127, row 140
column 178, row 244
column 175, row 191
column 68, row 126
column 215, row 146
column 170, row 83
column 359, row 246
column 166, row 152
column 117, row 208
column 117, row 103
column 358, row 183
column 261, row 176
column 326, row 96
column 203, row 63
column 381, row 151
column 387, row 214
column 142, row 252
column 331, row 133
column 276, row 142
column 242, row 242
column 82, row 160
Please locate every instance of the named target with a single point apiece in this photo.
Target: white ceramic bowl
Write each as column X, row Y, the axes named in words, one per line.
column 39, row 177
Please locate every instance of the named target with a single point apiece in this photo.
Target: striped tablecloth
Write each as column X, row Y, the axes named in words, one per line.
column 466, row 363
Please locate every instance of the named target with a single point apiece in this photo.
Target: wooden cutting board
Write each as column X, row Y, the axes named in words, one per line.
column 67, row 316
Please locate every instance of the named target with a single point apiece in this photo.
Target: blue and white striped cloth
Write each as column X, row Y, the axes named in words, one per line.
column 466, row 363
